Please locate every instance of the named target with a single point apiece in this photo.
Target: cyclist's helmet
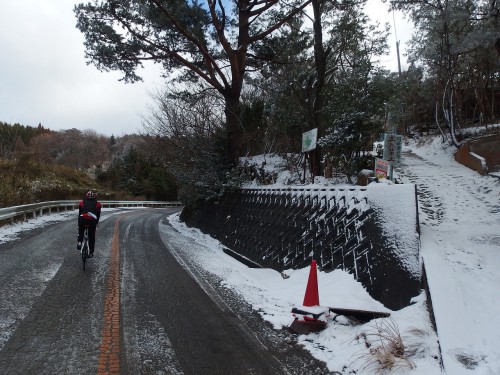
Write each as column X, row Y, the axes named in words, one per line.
column 91, row 195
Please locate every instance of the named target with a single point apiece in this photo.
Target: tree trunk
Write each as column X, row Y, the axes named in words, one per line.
column 233, row 128
column 320, row 65
column 315, row 103
column 328, row 168
column 436, row 115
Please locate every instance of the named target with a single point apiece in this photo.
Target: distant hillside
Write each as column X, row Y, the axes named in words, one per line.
column 41, row 164
column 24, row 182
column 14, row 135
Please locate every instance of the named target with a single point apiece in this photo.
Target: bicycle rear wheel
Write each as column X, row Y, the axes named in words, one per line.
column 85, row 248
column 85, row 251
column 84, row 255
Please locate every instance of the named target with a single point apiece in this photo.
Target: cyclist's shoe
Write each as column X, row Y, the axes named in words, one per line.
column 91, row 255
column 79, row 246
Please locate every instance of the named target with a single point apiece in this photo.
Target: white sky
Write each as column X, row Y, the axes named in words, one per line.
column 44, row 78
column 377, row 10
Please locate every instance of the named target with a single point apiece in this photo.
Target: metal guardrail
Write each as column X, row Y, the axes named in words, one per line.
column 38, row 209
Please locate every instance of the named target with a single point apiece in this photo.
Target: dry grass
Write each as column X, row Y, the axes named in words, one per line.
column 386, row 351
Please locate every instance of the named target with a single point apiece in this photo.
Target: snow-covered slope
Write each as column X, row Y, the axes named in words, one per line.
column 460, row 245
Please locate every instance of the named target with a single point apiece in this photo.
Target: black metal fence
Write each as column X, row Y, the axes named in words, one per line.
column 288, row 228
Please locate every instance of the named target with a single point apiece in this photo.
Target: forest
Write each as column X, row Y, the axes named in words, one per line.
column 38, row 164
column 249, row 77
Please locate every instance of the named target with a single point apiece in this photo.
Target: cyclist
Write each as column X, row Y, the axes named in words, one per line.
column 89, row 212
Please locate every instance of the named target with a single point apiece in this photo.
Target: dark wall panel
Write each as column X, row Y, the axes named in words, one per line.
column 371, row 233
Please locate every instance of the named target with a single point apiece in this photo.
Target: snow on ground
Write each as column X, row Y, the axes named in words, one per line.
column 459, row 213
column 10, row 232
column 460, row 245
column 341, row 345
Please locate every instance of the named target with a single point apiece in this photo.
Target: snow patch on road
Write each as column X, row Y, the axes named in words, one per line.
column 11, row 232
column 19, row 296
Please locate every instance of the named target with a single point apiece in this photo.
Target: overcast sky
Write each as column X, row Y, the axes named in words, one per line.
column 44, row 78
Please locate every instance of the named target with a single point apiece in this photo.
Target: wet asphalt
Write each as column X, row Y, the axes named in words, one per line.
column 52, row 312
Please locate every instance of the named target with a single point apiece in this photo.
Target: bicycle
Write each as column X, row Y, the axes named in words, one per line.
column 85, row 251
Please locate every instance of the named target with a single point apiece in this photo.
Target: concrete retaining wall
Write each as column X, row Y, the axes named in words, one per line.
column 481, row 155
column 370, row 232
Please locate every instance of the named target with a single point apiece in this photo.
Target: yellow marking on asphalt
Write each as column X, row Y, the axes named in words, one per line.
column 109, row 351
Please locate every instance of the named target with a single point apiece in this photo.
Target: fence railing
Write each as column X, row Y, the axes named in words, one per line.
column 34, row 210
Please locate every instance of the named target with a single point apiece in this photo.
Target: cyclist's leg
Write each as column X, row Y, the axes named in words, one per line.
column 92, row 229
column 81, row 229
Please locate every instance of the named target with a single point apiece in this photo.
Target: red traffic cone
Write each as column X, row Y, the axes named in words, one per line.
column 311, row 298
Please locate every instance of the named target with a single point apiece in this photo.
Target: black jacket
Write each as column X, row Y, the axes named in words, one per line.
column 89, row 209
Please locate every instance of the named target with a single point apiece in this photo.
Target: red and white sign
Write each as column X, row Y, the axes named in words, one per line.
column 383, row 168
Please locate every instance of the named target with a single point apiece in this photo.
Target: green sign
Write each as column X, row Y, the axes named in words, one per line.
column 309, row 139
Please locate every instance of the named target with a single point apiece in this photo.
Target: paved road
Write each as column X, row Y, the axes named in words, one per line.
column 135, row 310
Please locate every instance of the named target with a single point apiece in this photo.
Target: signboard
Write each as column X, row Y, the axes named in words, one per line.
column 393, row 146
column 383, row 169
column 309, row 139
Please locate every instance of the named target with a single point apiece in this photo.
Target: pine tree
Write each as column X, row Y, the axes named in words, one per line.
column 208, row 41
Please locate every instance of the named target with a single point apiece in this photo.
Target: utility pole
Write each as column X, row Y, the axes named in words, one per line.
column 397, row 43
column 397, row 51
column 399, row 69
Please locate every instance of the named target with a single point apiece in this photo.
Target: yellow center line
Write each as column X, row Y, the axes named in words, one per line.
column 109, row 351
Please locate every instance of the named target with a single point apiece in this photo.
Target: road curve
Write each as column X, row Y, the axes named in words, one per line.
column 134, row 310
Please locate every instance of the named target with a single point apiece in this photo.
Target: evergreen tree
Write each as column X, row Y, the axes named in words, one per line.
column 208, row 41
column 326, row 75
column 455, row 42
